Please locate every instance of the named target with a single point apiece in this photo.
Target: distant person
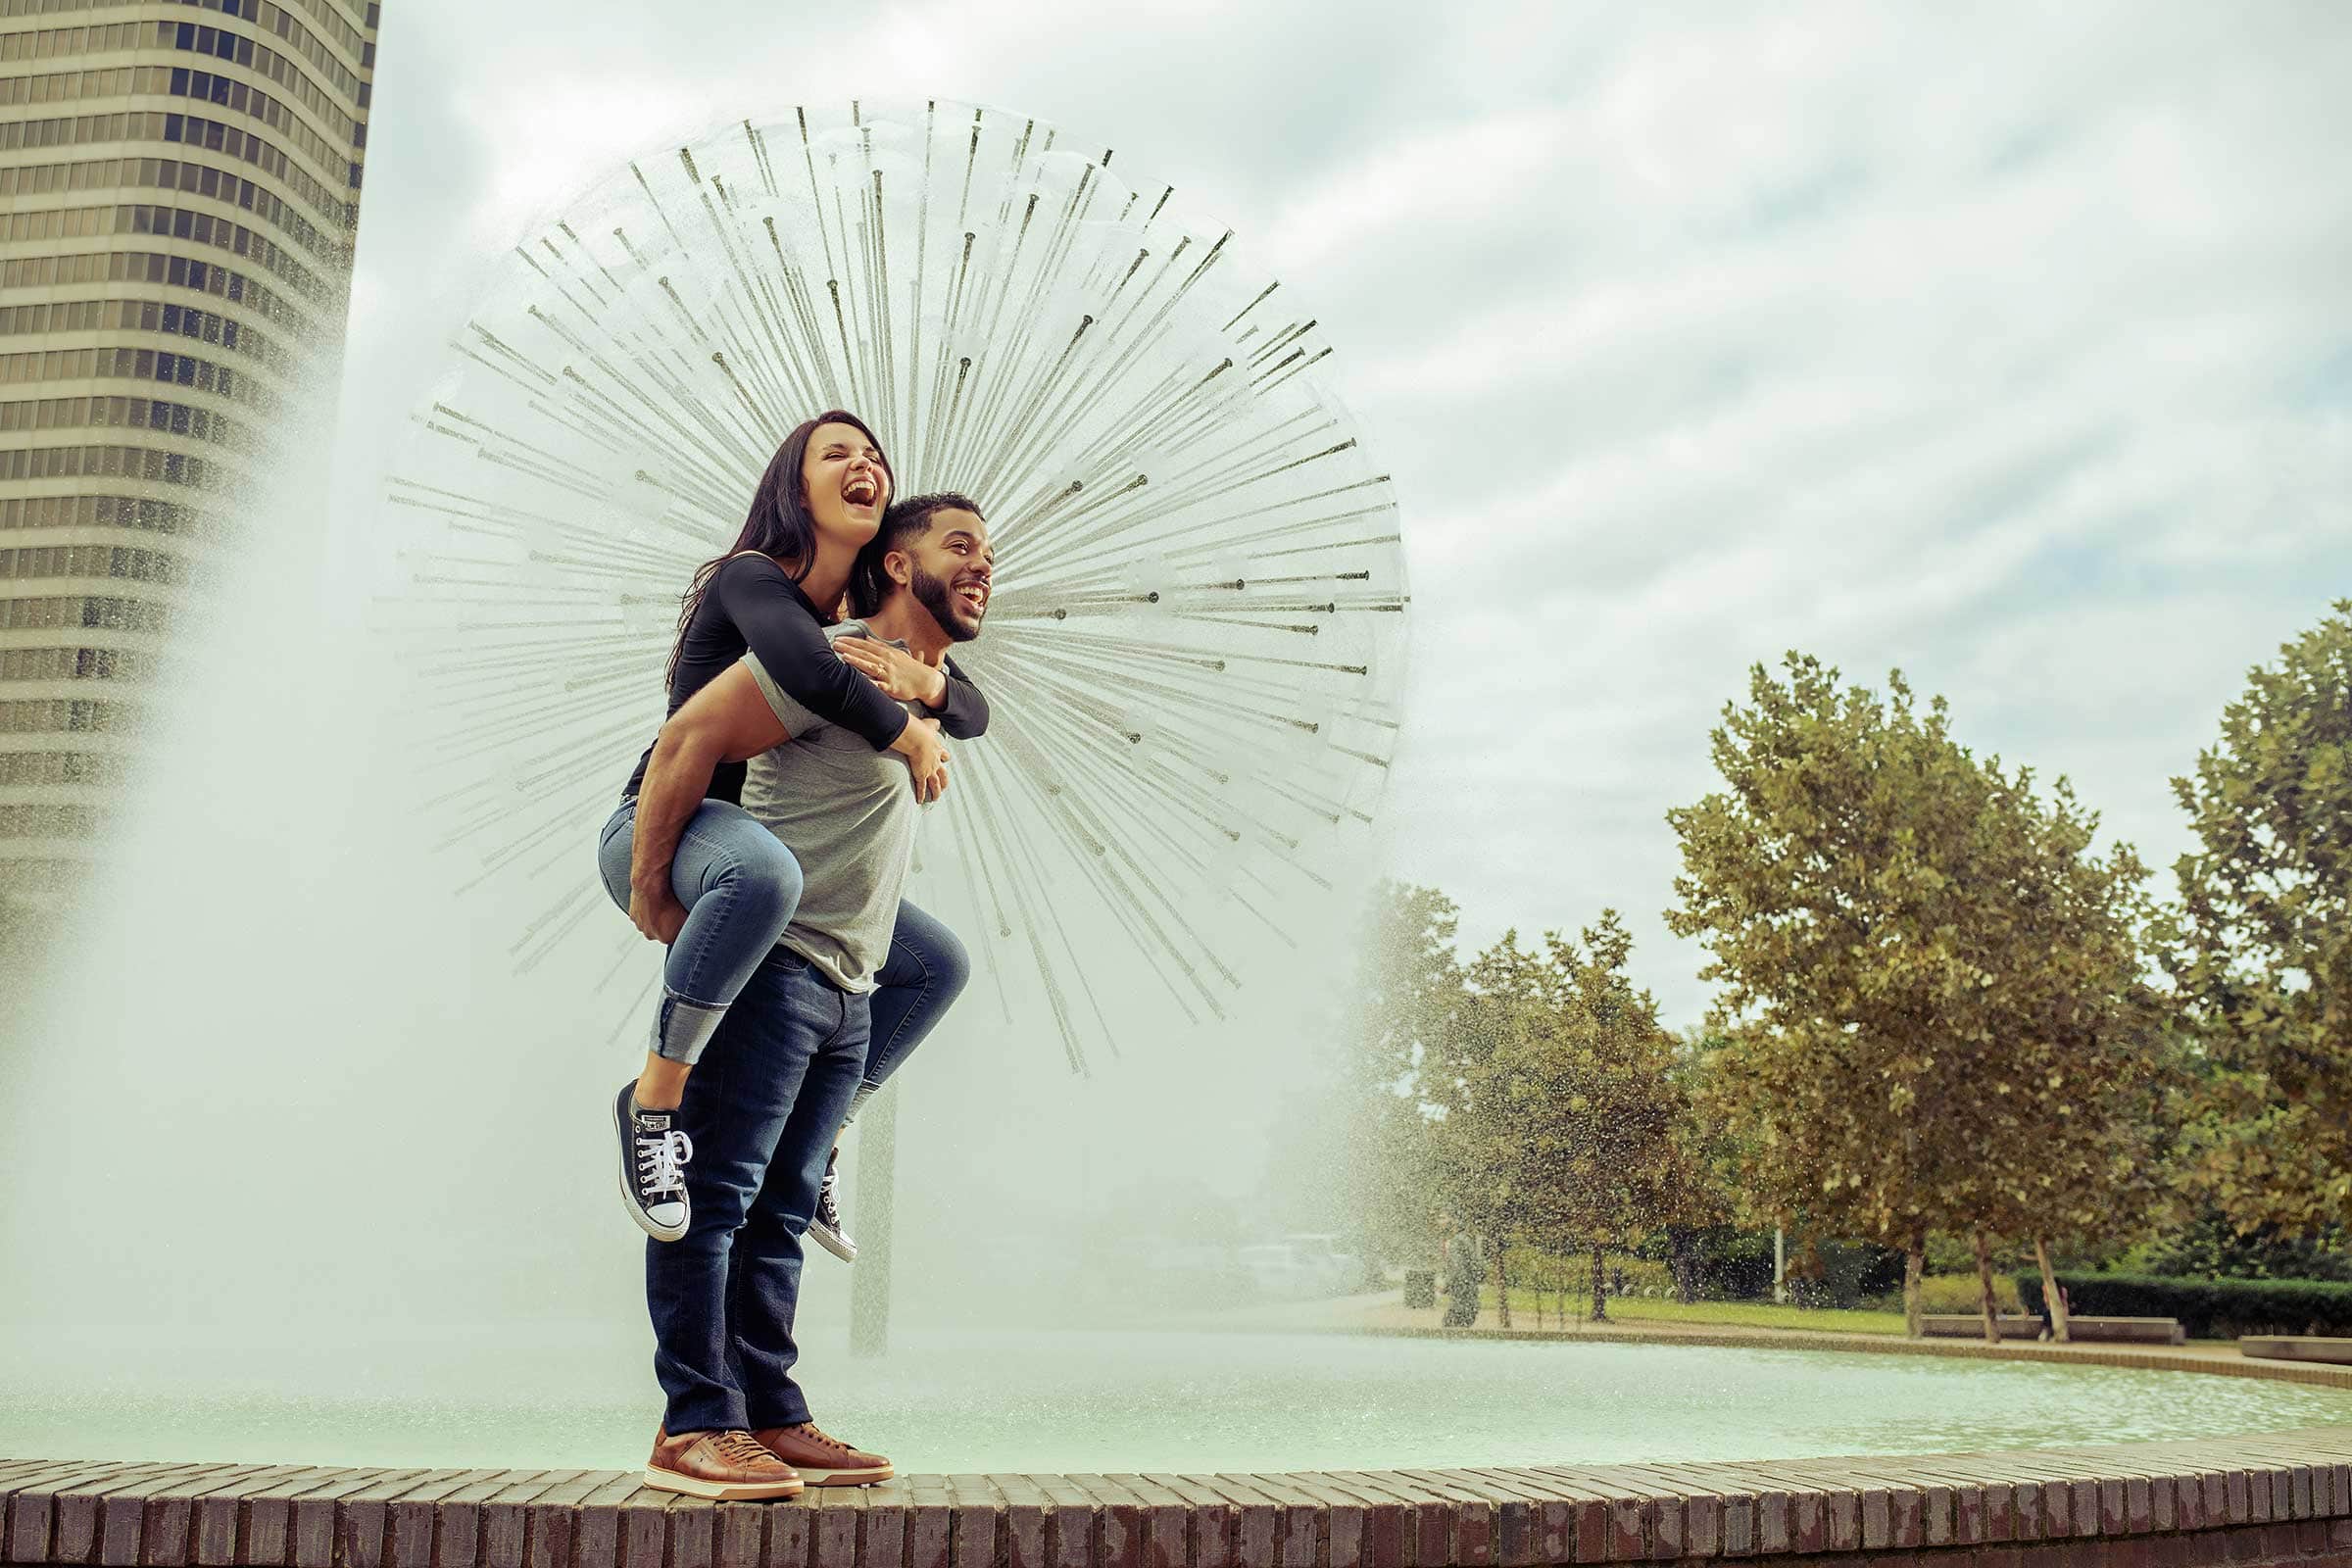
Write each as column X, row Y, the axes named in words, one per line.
column 2049, row 1320
column 1465, row 1272
column 792, row 1051
column 696, row 873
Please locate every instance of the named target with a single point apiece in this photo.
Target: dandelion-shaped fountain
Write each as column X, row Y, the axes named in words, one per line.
column 1195, row 646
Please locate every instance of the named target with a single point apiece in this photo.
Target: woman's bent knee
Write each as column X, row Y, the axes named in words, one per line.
column 613, row 848
column 950, row 964
column 932, row 948
column 763, row 879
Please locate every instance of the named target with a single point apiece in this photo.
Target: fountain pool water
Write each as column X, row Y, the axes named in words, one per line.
column 1132, row 1402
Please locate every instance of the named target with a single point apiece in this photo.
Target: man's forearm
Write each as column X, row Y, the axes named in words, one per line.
column 675, row 781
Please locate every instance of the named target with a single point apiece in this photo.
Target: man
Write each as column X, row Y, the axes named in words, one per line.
column 762, row 1112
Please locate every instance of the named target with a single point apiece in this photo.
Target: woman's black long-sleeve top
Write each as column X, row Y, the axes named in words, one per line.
column 751, row 604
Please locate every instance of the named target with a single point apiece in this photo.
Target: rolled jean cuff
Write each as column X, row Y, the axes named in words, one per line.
column 682, row 1027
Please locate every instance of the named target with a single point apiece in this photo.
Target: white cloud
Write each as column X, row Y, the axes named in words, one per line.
column 1956, row 339
column 1459, row 176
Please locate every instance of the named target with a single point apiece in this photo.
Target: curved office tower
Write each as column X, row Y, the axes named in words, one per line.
column 179, row 186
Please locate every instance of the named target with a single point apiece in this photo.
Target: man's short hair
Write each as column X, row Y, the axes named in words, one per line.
column 906, row 519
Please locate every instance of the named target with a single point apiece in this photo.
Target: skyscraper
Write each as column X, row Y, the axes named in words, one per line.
column 179, row 186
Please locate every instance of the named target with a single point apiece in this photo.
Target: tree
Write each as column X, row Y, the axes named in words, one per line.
column 1409, row 997
column 1821, row 879
column 2070, row 1093
column 1474, row 1134
column 1927, row 979
column 1707, row 1190
column 1565, row 1128
column 2261, row 949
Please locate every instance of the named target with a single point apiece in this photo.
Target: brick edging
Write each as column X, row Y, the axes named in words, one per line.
column 2272, row 1498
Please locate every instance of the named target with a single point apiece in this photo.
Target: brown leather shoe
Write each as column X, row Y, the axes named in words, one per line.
column 822, row 1460
column 731, row 1466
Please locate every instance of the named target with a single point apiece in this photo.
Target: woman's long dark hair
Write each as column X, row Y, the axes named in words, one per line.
column 779, row 524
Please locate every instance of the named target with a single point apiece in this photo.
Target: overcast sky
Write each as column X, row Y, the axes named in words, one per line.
column 2011, row 346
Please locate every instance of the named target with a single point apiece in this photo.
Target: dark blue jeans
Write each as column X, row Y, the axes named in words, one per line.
column 926, row 970
column 762, row 1109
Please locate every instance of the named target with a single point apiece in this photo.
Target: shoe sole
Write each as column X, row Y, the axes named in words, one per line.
column 832, row 1241
column 847, row 1478
column 721, row 1490
column 629, row 1193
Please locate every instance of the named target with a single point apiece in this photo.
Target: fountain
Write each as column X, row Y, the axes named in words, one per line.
column 1196, row 645
column 325, row 1273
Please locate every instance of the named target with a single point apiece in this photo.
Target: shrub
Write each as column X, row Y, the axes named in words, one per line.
column 2207, row 1245
column 1845, row 1274
column 1960, row 1293
column 2208, row 1309
column 1727, row 1264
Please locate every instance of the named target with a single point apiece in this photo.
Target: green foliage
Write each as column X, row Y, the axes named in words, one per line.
column 1929, row 984
column 2261, row 947
column 1562, row 1112
column 2206, row 1245
column 2208, row 1309
column 1842, row 1274
column 1718, row 1262
column 1960, row 1293
column 1932, row 1018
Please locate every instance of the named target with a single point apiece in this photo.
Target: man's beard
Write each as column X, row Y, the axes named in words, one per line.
column 934, row 595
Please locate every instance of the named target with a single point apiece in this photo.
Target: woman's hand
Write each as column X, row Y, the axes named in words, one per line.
column 901, row 675
column 926, row 756
column 655, row 911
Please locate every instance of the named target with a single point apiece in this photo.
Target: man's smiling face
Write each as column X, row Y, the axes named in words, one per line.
column 951, row 566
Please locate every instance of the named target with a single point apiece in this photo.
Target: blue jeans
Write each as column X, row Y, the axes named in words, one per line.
column 740, row 886
column 926, row 971
column 762, row 1112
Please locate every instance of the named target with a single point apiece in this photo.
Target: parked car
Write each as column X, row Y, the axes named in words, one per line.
column 1338, row 1270
column 1278, row 1273
column 1301, row 1267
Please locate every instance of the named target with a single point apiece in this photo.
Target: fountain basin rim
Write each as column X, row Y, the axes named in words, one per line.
column 2274, row 1499
column 2266, row 1499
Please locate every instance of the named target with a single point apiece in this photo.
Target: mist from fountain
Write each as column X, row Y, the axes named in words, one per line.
column 310, row 1102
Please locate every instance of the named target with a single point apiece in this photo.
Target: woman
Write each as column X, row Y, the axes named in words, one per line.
column 705, row 877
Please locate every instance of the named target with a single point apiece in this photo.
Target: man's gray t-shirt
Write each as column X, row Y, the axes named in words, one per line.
column 848, row 813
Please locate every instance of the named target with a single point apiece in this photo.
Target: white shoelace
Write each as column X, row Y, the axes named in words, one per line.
column 662, row 1163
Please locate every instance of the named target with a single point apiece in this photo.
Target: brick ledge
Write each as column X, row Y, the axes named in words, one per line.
column 2278, row 1498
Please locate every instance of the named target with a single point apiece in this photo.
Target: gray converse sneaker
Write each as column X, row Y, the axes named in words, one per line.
column 652, row 1167
column 826, row 1226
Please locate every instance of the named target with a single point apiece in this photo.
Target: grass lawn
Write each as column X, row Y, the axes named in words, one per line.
column 1744, row 1314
